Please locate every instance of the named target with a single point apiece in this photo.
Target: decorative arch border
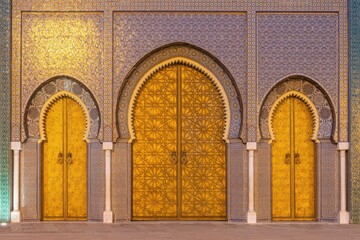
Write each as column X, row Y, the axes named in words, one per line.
column 51, row 88
column 192, row 54
column 50, row 102
column 308, row 103
column 314, row 92
column 189, row 63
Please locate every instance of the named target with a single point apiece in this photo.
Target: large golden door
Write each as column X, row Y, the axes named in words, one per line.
column 179, row 156
column 64, row 163
column 293, row 165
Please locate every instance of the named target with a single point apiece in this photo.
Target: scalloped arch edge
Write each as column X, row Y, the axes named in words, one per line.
column 49, row 103
column 311, row 106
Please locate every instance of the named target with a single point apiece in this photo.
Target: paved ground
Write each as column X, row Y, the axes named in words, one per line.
column 178, row 230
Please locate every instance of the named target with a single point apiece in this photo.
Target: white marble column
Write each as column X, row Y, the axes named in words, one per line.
column 343, row 214
column 15, row 213
column 251, row 214
column 108, row 214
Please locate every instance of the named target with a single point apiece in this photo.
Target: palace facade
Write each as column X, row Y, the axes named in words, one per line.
column 180, row 110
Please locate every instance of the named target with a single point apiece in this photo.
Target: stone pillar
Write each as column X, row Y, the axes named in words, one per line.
column 343, row 214
column 251, row 214
column 15, row 213
column 108, row 214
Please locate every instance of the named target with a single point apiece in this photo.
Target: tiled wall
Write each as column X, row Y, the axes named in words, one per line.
column 254, row 64
column 355, row 109
column 4, row 109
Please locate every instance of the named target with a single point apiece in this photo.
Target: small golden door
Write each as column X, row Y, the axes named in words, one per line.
column 293, row 165
column 64, row 177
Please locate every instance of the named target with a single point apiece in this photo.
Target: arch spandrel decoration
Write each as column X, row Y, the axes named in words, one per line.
column 47, row 106
column 314, row 92
column 202, row 59
column 308, row 103
column 189, row 63
column 52, row 88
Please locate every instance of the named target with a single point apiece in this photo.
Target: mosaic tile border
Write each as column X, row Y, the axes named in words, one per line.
column 355, row 110
column 5, row 21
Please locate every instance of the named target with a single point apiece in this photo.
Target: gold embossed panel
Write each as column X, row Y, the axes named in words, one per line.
column 293, row 190
column 64, row 163
column 204, row 165
column 53, row 164
column 304, row 162
column 281, row 188
column 75, row 161
column 179, row 164
column 154, row 170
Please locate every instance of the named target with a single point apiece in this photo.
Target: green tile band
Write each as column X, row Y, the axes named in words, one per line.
column 5, row 110
column 354, row 11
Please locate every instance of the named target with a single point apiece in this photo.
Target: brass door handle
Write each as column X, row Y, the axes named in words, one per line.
column 297, row 158
column 69, row 159
column 287, row 158
column 184, row 159
column 60, row 158
column 173, row 157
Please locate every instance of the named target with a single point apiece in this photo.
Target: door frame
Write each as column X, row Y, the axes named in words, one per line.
column 42, row 120
column 316, row 124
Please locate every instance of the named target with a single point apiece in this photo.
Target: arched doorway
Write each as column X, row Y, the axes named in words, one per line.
column 293, row 159
column 179, row 155
column 64, row 170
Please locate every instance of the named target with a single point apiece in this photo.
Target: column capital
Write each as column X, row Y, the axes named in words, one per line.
column 343, row 146
column 16, row 146
column 251, row 146
column 108, row 146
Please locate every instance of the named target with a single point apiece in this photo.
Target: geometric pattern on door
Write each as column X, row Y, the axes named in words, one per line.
column 64, row 178
column 179, row 155
column 293, row 161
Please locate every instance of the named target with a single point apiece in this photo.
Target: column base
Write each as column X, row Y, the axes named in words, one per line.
column 344, row 217
column 108, row 217
column 15, row 217
column 251, row 217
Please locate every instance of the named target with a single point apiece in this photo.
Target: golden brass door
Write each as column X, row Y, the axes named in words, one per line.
column 179, row 156
column 293, row 163
column 64, row 163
